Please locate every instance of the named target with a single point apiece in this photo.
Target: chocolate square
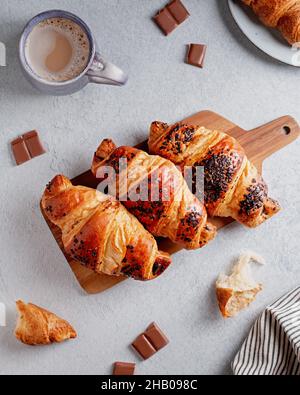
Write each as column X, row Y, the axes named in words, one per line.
column 196, row 55
column 156, row 337
column 178, row 10
column 33, row 143
column 165, row 21
column 124, row 369
column 144, row 347
column 20, row 151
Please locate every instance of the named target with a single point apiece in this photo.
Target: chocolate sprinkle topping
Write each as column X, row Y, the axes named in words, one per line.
column 193, row 219
column 178, row 137
column 220, row 170
column 189, row 226
column 254, row 200
column 49, row 186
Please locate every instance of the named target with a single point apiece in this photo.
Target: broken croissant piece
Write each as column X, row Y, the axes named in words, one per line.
column 237, row 291
column 37, row 326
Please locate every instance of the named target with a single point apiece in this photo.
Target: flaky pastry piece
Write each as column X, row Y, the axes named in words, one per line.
column 233, row 186
column 100, row 233
column 175, row 213
column 37, row 326
column 237, row 291
column 281, row 14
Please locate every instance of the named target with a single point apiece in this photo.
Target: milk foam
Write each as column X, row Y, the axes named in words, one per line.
column 57, row 50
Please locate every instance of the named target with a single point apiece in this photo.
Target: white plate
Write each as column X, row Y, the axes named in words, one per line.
column 268, row 40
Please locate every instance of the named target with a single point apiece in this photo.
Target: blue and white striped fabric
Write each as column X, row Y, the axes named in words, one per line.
column 273, row 345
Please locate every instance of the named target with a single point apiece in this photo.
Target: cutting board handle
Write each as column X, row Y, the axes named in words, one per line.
column 270, row 138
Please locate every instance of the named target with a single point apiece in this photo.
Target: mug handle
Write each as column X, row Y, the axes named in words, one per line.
column 103, row 72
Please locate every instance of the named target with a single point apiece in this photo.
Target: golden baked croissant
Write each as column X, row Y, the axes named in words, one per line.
column 175, row 213
column 37, row 326
column 98, row 232
column 233, row 186
column 281, row 14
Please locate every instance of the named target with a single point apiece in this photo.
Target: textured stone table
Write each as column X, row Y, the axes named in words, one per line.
column 239, row 82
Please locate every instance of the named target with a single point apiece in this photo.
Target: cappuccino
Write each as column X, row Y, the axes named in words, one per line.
column 57, row 50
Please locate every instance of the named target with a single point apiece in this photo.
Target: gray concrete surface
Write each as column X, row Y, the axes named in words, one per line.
column 239, row 82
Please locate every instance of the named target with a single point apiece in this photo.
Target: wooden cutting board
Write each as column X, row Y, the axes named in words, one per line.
column 258, row 143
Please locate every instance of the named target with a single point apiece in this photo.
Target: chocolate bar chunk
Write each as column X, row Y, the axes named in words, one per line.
column 156, row 337
column 171, row 16
column 27, row 147
column 124, row 369
column 143, row 347
column 33, row 143
column 178, row 11
column 196, row 55
column 165, row 21
column 20, row 151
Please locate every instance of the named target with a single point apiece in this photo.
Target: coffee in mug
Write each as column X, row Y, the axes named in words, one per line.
column 59, row 55
column 57, row 50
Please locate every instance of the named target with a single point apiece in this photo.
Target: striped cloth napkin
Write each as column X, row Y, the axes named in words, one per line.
column 273, row 345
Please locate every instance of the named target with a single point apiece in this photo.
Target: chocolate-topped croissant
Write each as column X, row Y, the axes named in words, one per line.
column 100, row 233
column 281, row 14
column 174, row 212
column 233, row 186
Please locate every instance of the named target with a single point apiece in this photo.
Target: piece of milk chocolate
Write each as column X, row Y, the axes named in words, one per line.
column 156, row 337
column 20, row 151
column 144, row 347
column 33, row 143
column 171, row 16
column 165, row 21
column 196, row 55
column 124, row 369
column 178, row 11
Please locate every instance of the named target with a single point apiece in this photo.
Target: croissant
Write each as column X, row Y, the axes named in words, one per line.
column 37, row 326
column 233, row 186
column 281, row 14
column 175, row 213
column 99, row 232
